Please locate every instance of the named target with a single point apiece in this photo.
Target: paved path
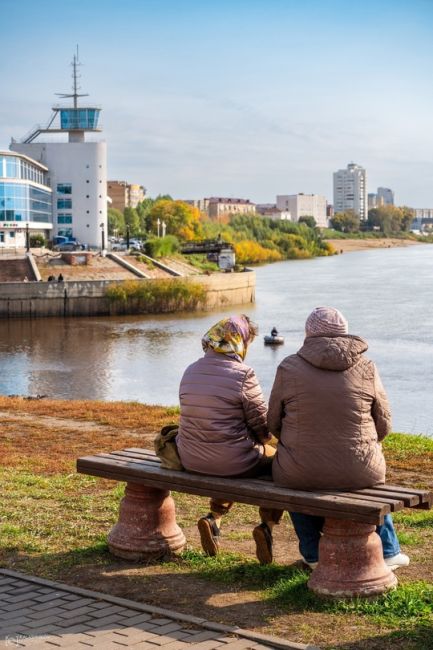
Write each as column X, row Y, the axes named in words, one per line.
column 36, row 613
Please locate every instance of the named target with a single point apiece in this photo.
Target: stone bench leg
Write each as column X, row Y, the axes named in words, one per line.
column 350, row 561
column 147, row 527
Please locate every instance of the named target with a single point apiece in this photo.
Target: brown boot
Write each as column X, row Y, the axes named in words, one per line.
column 209, row 535
column 263, row 538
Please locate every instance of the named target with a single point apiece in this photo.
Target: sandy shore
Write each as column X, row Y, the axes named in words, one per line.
column 351, row 245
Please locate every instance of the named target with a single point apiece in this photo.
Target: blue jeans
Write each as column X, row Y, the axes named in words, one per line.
column 308, row 528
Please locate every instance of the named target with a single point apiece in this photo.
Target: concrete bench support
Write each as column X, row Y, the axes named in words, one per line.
column 147, row 527
column 350, row 561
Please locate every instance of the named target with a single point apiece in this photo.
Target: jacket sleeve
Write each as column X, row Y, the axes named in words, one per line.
column 276, row 405
column 380, row 409
column 254, row 406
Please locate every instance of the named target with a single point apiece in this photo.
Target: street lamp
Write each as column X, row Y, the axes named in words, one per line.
column 127, row 235
column 27, row 237
column 164, row 226
column 158, row 223
column 102, row 227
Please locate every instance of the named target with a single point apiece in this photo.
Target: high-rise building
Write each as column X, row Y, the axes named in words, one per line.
column 385, row 196
column 77, row 170
column 304, row 205
column 350, row 190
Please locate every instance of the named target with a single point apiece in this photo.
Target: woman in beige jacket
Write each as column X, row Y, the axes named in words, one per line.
column 330, row 412
column 223, row 430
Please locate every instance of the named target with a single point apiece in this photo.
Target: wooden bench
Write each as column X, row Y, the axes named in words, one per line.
column 351, row 561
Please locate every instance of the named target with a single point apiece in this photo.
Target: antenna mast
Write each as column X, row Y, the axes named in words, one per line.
column 75, row 87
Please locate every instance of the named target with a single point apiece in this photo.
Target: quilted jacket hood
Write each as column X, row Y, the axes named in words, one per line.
column 333, row 352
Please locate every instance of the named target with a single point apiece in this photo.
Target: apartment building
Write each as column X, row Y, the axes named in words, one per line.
column 304, row 205
column 125, row 195
column 217, row 206
column 350, row 190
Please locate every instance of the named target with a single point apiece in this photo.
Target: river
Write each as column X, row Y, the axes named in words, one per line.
column 385, row 294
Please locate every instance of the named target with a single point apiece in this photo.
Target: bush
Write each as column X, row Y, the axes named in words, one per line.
column 156, row 296
column 162, row 246
column 37, row 240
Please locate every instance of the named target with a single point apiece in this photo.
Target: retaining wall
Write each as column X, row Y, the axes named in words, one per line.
column 87, row 298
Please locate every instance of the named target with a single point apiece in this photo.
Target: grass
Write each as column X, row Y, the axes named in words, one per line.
column 53, row 523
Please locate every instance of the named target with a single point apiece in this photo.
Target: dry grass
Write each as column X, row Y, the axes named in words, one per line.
column 53, row 523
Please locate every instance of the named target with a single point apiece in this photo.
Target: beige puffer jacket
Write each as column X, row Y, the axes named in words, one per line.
column 222, row 416
column 329, row 410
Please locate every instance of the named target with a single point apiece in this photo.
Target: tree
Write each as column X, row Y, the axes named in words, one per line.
column 309, row 221
column 347, row 221
column 390, row 219
column 181, row 219
column 132, row 220
column 116, row 221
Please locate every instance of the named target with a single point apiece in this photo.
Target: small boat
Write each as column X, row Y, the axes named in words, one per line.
column 273, row 340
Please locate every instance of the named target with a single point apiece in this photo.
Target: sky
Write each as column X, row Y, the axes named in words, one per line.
column 237, row 98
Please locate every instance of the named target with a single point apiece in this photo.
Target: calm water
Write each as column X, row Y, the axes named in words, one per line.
column 385, row 294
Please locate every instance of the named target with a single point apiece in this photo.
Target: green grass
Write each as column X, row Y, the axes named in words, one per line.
column 404, row 445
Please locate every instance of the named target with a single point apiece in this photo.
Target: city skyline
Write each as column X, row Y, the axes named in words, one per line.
column 248, row 99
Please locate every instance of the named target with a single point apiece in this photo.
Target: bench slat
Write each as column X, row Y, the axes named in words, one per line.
column 264, row 494
column 374, row 517
column 397, row 498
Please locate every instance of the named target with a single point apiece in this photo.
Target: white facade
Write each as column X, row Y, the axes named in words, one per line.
column 304, row 205
column 350, row 190
column 82, row 167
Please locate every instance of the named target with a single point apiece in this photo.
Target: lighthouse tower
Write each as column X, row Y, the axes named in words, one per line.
column 77, row 169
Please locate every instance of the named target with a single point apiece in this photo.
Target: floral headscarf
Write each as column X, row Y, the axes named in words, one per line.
column 230, row 336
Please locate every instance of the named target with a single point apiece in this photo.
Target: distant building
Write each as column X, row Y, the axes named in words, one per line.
column 304, row 205
column 25, row 200
column 125, row 195
column 423, row 220
column 372, row 200
column 385, row 196
column 216, row 206
column 350, row 190
column 271, row 211
column 76, row 170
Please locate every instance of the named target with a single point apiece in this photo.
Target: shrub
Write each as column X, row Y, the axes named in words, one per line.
column 155, row 296
column 162, row 246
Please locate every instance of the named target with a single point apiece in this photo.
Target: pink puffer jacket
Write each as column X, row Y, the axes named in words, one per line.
column 222, row 416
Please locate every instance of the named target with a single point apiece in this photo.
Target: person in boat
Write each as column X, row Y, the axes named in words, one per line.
column 223, row 429
column 274, row 332
column 330, row 412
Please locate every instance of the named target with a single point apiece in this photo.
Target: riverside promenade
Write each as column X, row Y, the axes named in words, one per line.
column 37, row 613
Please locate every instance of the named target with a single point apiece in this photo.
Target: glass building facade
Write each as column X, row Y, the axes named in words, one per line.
column 79, row 118
column 20, row 199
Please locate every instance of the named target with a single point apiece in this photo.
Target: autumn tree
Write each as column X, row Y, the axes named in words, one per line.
column 347, row 221
column 181, row 219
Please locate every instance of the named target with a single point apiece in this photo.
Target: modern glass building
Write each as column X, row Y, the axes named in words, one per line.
column 25, row 199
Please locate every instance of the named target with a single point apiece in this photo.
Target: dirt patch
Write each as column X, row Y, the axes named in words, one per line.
column 352, row 245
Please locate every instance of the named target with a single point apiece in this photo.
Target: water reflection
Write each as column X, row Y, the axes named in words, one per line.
column 383, row 293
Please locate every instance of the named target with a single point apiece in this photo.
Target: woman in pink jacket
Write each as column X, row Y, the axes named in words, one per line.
column 223, row 428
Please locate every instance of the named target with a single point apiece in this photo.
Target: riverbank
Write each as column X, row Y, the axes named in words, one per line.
column 352, row 245
column 54, row 524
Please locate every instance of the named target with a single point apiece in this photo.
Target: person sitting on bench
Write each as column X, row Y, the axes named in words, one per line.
column 222, row 429
column 330, row 412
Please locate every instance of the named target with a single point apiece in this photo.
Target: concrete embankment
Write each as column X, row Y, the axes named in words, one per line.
column 88, row 298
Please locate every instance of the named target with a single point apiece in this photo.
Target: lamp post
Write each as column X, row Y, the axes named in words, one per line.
column 102, row 226
column 127, row 235
column 27, row 237
column 158, row 223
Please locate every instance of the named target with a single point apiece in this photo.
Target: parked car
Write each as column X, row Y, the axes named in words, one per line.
column 69, row 246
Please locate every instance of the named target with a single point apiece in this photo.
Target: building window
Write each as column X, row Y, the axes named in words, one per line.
column 64, row 188
column 12, row 234
column 2, row 237
column 64, row 218
column 64, row 204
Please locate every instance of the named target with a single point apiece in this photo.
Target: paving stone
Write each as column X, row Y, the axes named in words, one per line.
column 172, row 626
column 211, row 644
column 203, row 635
column 78, row 602
column 66, row 623
column 50, row 611
column 51, row 603
column 162, row 621
column 43, row 598
column 113, row 609
column 240, row 644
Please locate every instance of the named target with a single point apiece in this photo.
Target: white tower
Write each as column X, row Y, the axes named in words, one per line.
column 77, row 169
column 350, row 190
